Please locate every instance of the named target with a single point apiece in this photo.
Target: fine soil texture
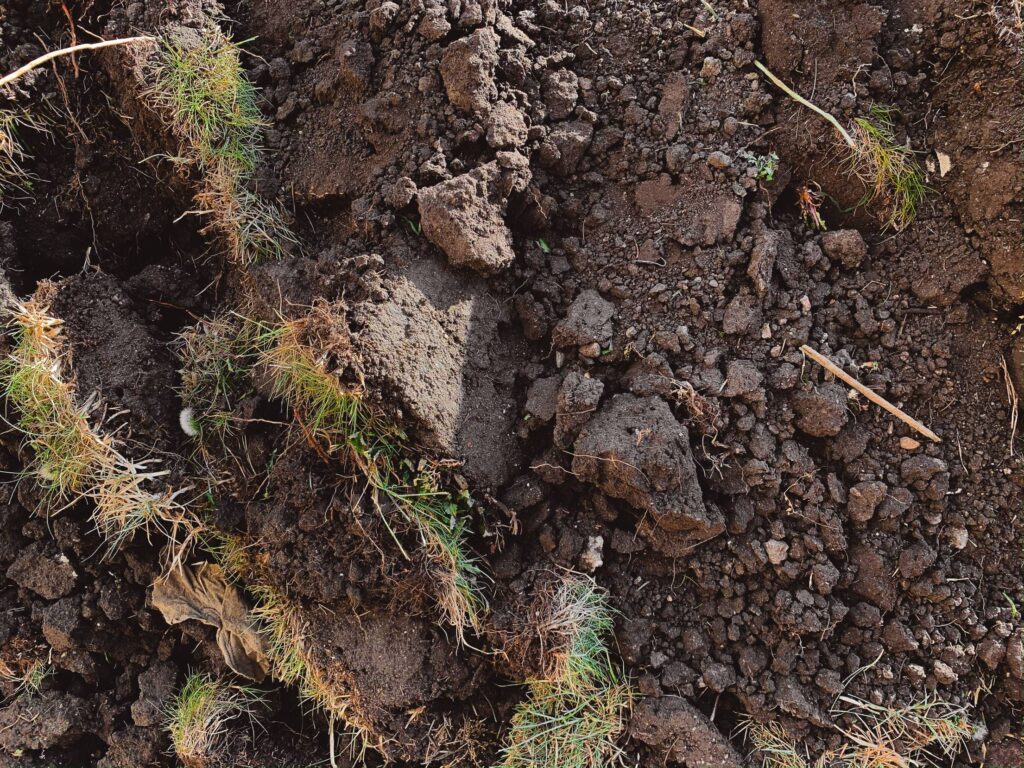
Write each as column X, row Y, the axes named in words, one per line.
column 573, row 261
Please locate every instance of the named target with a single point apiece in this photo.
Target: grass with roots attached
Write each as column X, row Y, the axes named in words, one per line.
column 73, row 460
column 887, row 168
column 199, row 715
column 200, row 89
column 577, row 709
column 337, row 415
column 341, row 424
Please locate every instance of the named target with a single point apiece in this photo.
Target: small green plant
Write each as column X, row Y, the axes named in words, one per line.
column 764, row 166
column 200, row 714
column 200, row 89
column 887, row 168
column 577, row 708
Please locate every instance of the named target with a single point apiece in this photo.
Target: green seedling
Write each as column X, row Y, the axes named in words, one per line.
column 543, row 245
column 764, row 166
column 200, row 715
column 576, row 710
column 887, row 168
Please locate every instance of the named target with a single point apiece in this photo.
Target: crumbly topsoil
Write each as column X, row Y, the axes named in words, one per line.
column 561, row 271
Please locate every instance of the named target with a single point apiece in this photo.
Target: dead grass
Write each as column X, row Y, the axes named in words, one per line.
column 874, row 736
column 15, row 181
column 72, row 460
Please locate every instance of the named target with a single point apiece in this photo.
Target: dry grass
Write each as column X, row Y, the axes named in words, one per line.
column 73, row 460
column 577, row 709
column 1009, row 17
column 200, row 89
column 873, row 736
column 199, row 717
column 15, row 181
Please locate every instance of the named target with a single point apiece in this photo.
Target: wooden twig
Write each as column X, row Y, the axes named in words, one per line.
column 1011, row 397
column 874, row 397
column 8, row 79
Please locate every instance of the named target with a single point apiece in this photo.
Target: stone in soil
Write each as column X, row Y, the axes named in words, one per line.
column 634, row 449
column 467, row 69
column 681, row 734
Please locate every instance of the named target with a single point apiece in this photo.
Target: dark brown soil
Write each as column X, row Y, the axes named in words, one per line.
column 560, row 271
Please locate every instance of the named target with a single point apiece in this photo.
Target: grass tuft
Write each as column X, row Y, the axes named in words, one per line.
column 216, row 359
column 888, row 168
column 902, row 737
column 71, row 459
column 199, row 716
column 771, row 744
column 200, row 89
column 877, row 736
column 15, row 181
column 576, row 710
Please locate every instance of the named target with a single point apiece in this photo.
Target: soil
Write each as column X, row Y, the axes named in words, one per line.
column 559, row 270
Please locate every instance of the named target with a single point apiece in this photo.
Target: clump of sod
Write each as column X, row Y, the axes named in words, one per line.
column 217, row 358
column 337, row 416
column 577, row 708
column 289, row 651
column 887, row 168
column 71, row 459
column 198, row 718
column 200, row 89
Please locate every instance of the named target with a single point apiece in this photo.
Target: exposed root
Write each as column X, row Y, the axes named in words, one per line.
column 15, row 181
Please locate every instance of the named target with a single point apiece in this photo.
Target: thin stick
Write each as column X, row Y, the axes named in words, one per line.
column 66, row 52
column 801, row 100
column 1011, row 396
column 874, row 397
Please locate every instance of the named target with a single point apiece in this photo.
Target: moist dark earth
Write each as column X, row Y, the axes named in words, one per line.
column 561, row 271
